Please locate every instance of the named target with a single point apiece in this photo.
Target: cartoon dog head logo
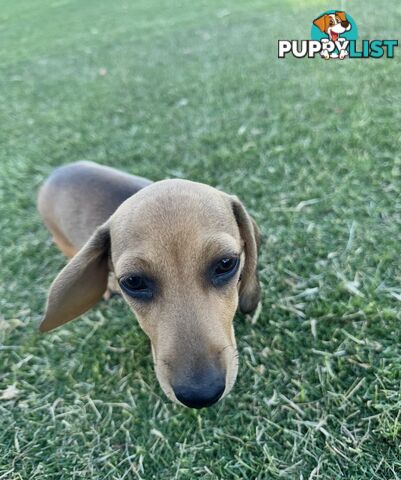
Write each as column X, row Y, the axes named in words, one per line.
column 333, row 24
column 337, row 27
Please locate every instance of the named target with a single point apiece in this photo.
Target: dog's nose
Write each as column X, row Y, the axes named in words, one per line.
column 201, row 392
column 345, row 23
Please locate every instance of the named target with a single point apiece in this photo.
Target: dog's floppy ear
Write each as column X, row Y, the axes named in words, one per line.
column 322, row 22
column 81, row 283
column 342, row 15
column 249, row 292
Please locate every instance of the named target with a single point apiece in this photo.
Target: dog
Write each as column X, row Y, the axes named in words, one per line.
column 333, row 25
column 182, row 254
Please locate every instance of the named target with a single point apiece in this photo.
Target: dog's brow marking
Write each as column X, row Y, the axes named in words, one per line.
column 222, row 250
column 133, row 264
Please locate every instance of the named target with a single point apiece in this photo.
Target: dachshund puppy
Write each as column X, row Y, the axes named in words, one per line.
column 182, row 254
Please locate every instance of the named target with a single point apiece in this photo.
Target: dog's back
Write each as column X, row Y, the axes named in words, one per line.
column 79, row 197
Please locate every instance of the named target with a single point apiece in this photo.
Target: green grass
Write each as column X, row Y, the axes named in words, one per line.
column 195, row 90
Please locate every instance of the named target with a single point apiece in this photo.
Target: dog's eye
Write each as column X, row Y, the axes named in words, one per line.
column 224, row 270
column 137, row 286
column 225, row 265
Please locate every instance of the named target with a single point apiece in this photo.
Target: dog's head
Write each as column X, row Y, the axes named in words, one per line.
column 185, row 257
column 333, row 24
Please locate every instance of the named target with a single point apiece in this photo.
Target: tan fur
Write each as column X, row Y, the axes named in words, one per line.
column 63, row 244
column 342, row 15
column 172, row 230
column 322, row 22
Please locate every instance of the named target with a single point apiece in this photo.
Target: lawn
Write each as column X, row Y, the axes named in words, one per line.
column 195, row 90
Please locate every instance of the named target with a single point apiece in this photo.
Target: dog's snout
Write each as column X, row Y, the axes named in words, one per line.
column 201, row 390
column 345, row 23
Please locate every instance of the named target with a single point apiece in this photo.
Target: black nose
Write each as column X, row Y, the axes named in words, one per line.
column 345, row 23
column 202, row 393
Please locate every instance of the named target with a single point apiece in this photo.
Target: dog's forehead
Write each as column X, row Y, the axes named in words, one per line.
column 172, row 211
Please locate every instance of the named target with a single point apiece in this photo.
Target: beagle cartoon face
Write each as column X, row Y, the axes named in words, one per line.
column 333, row 24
